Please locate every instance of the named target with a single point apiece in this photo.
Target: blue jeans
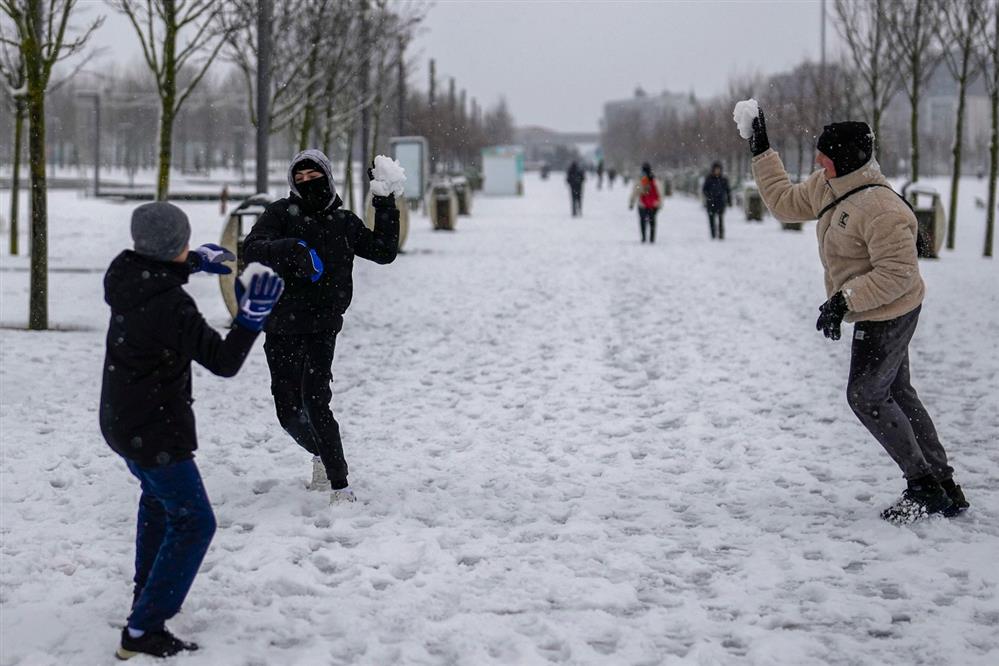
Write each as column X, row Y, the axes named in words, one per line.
column 175, row 526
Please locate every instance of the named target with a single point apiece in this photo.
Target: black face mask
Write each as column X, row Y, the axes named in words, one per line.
column 315, row 193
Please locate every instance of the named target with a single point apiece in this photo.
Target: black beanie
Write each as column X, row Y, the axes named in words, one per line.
column 849, row 145
column 306, row 164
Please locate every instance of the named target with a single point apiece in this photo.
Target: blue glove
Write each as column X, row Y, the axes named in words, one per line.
column 256, row 303
column 209, row 258
column 312, row 263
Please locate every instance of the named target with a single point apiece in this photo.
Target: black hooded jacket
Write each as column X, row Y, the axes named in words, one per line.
column 337, row 235
column 717, row 194
column 154, row 334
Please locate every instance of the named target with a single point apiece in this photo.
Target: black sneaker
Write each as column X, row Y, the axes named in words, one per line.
column 924, row 497
column 955, row 494
column 156, row 643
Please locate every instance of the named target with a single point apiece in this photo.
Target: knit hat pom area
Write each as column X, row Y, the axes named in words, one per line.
column 849, row 145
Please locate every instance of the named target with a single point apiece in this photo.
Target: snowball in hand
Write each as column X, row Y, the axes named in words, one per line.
column 745, row 113
column 389, row 177
column 251, row 271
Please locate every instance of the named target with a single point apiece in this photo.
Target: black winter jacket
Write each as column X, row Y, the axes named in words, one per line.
column 337, row 235
column 717, row 195
column 154, row 334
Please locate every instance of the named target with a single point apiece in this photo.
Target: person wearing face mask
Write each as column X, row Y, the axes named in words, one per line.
column 310, row 240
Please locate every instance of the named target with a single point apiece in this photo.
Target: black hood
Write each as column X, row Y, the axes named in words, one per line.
column 133, row 280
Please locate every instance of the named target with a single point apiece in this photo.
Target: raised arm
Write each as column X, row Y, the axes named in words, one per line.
column 787, row 201
column 381, row 245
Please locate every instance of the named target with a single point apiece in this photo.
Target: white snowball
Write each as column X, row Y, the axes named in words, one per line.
column 252, row 270
column 745, row 112
column 390, row 177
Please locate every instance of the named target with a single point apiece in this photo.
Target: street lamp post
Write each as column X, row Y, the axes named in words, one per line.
column 97, row 138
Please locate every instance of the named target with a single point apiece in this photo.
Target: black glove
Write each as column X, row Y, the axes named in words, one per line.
column 383, row 202
column 371, row 171
column 759, row 143
column 831, row 315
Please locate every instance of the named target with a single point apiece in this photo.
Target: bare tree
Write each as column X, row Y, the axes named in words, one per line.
column 864, row 26
column 13, row 72
column 959, row 28
column 913, row 26
column 159, row 24
column 43, row 35
column 989, row 58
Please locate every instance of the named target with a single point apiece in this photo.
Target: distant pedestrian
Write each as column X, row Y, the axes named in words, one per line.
column 647, row 193
column 600, row 175
column 575, row 176
column 611, row 175
column 717, row 197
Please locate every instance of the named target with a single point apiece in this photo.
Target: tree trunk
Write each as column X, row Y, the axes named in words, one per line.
column 264, row 15
column 348, row 170
column 166, row 150
column 38, row 306
column 958, row 145
column 363, row 86
column 15, row 185
column 990, row 217
column 168, row 103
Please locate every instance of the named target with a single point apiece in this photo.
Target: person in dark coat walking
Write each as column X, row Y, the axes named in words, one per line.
column 145, row 409
column 717, row 197
column 575, row 177
column 311, row 241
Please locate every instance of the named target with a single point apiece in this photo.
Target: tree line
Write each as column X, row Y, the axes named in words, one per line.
column 892, row 48
column 213, row 75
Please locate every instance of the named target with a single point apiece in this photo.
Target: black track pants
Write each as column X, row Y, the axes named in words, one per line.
column 301, row 373
column 881, row 396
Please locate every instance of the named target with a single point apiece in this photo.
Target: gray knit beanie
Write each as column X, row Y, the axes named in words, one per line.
column 160, row 230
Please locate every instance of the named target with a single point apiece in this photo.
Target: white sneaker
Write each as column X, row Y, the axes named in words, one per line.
column 342, row 496
column 319, row 480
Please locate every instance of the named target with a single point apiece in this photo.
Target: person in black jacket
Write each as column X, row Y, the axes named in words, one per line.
column 575, row 177
column 145, row 410
column 311, row 241
column 717, row 196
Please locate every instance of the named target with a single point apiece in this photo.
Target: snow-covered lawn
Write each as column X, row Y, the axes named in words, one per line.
column 570, row 448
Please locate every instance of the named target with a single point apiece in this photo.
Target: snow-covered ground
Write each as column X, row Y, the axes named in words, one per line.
column 570, row 447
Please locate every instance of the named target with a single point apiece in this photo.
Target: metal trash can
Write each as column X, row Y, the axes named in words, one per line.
column 463, row 191
column 402, row 204
column 930, row 217
column 752, row 204
column 443, row 206
column 234, row 230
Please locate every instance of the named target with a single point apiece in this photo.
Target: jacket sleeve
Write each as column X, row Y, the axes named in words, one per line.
column 891, row 244
column 192, row 337
column 788, row 202
column 381, row 245
column 267, row 244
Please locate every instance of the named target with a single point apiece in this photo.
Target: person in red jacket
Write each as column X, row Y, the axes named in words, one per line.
column 648, row 194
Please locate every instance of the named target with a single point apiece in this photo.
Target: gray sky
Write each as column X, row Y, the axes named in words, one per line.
column 558, row 61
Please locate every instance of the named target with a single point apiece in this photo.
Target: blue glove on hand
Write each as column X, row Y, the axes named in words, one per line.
column 209, row 258
column 312, row 263
column 256, row 302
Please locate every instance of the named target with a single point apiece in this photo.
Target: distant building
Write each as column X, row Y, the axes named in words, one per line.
column 626, row 121
column 556, row 149
column 937, row 117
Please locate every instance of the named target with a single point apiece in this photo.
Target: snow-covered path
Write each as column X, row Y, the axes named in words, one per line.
column 572, row 448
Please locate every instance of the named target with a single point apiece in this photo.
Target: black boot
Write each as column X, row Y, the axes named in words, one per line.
column 923, row 497
column 156, row 643
column 955, row 494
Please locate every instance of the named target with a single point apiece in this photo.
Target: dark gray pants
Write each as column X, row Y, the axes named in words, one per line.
column 881, row 396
